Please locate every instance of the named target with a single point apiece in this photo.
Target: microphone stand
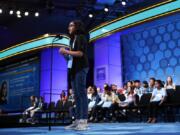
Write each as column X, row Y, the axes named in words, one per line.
column 51, row 77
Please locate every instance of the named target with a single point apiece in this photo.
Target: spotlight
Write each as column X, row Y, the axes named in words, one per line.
column 123, row 2
column 18, row 12
column 19, row 16
column 11, row 12
column 36, row 14
column 90, row 15
column 26, row 13
column 106, row 9
column 1, row 11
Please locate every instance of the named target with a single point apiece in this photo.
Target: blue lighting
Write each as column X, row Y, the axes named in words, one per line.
column 142, row 16
column 28, row 46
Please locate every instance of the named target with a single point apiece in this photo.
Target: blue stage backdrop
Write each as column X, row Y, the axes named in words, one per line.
column 152, row 50
column 59, row 74
column 22, row 81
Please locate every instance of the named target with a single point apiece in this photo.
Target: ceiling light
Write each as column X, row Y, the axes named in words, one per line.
column 36, row 14
column 90, row 15
column 18, row 12
column 11, row 12
column 26, row 13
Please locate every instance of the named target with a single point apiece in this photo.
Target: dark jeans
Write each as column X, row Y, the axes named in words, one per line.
column 80, row 94
column 153, row 109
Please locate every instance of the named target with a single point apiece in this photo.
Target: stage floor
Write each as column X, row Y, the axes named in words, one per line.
column 101, row 129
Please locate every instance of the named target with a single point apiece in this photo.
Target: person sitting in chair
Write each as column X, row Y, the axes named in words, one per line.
column 35, row 110
column 157, row 99
column 26, row 113
column 169, row 84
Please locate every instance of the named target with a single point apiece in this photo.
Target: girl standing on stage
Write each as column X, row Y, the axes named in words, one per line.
column 78, row 65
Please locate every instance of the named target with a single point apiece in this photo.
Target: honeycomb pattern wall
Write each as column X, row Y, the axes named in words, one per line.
column 152, row 51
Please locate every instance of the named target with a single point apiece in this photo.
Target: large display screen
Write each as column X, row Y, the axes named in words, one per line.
column 18, row 81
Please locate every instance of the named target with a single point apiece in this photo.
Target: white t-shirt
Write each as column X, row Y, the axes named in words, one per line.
column 139, row 91
column 89, row 96
column 158, row 94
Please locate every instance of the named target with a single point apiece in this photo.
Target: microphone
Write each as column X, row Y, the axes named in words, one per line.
column 58, row 36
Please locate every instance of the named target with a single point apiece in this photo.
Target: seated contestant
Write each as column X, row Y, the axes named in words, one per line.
column 130, row 98
column 107, row 103
column 33, row 101
column 115, row 103
column 63, row 95
column 138, row 89
column 99, row 91
column 151, row 85
column 157, row 99
column 145, row 87
column 114, row 89
column 169, row 84
column 98, row 108
column 129, row 87
column 38, row 108
column 33, row 105
column 89, row 93
column 70, row 97
column 62, row 101
column 71, row 101
column 95, row 99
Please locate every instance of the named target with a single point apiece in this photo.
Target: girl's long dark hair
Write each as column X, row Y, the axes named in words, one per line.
column 131, row 91
column 79, row 29
column 95, row 91
column 171, row 83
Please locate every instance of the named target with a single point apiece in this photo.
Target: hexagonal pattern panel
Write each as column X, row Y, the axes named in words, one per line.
column 152, row 51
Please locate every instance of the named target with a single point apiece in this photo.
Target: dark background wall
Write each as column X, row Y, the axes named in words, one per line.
column 152, row 50
column 30, row 27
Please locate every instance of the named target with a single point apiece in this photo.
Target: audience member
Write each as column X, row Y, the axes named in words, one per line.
column 169, row 84
column 138, row 89
column 145, row 87
column 151, row 85
column 157, row 99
